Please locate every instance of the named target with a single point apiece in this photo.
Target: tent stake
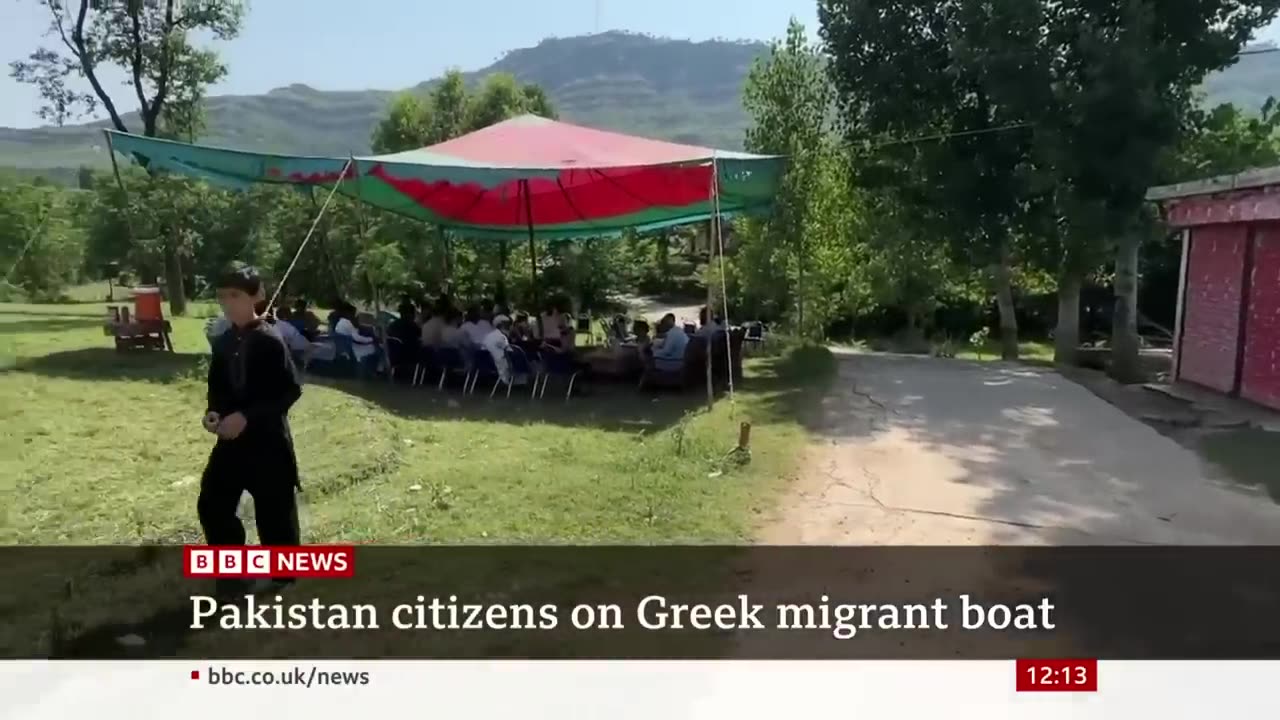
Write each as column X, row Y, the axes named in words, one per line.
column 533, row 251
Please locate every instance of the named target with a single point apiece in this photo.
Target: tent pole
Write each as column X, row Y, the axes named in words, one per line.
column 373, row 286
column 533, row 250
column 724, row 281
column 124, row 193
column 710, row 312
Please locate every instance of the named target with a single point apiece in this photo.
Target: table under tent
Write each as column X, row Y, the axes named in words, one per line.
column 527, row 177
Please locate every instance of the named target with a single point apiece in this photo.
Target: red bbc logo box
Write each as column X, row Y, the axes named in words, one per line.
column 308, row 561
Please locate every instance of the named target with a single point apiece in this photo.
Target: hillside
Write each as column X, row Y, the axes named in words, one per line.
column 671, row 89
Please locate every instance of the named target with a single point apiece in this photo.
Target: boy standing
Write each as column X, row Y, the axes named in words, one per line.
column 252, row 385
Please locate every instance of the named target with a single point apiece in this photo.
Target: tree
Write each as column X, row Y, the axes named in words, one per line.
column 1123, row 81
column 406, row 126
column 149, row 42
column 40, row 247
column 904, row 72
column 449, row 102
column 1223, row 140
column 788, row 98
column 537, row 103
column 499, row 98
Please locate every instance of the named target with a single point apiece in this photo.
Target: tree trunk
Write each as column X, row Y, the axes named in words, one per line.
column 1004, row 302
column 174, row 283
column 1066, row 336
column 663, row 246
column 1124, row 317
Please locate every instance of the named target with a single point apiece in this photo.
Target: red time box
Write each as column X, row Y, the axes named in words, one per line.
column 1057, row 675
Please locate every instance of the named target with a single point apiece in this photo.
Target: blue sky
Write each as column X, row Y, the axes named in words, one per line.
column 392, row 44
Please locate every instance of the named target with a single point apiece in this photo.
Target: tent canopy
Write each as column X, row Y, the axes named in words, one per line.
column 527, row 175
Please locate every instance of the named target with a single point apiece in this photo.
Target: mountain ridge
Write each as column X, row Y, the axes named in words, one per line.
column 679, row 90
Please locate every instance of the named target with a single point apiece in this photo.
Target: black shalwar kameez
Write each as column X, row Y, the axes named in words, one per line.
column 252, row 373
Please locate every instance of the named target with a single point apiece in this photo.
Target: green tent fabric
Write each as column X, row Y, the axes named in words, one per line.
column 528, row 176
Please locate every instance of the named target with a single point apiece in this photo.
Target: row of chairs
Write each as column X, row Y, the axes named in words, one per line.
column 539, row 366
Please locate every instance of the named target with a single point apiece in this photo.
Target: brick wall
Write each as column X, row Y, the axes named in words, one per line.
column 1211, row 319
column 1260, row 379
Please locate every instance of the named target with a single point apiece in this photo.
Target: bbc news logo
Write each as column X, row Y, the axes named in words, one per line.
column 308, row 561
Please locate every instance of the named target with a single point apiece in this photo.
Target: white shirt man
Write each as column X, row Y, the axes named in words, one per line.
column 362, row 345
column 433, row 331
column 477, row 331
column 496, row 344
column 668, row 353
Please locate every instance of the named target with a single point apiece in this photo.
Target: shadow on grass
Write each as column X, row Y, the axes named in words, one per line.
column 789, row 383
column 613, row 407
column 110, row 364
column 784, row 383
column 48, row 325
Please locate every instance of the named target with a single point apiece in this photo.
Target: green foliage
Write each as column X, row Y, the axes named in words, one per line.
column 450, row 110
column 799, row 265
column 40, row 247
column 145, row 41
column 1224, row 140
column 405, row 127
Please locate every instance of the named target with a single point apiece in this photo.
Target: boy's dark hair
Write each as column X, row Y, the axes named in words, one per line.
column 242, row 277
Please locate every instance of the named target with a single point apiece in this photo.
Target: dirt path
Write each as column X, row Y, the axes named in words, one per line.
column 921, row 451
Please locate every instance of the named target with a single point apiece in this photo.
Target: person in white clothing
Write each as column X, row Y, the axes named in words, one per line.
column 364, row 347
column 496, row 344
column 476, row 327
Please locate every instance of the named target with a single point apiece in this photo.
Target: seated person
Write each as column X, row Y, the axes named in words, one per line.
column 433, row 329
column 405, row 327
column 451, row 334
column 292, row 336
column 520, row 330
column 497, row 343
column 405, row 330
column 640, row 334
column 305, row 320
column 668, row 352
column 331, row 321
column 364, row 346
column 476, row 327
column 706, row 329
column 552, row 324
column 616, row 330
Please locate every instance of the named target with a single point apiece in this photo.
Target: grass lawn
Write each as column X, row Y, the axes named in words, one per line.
column 98, row 447
column 1033, row 351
